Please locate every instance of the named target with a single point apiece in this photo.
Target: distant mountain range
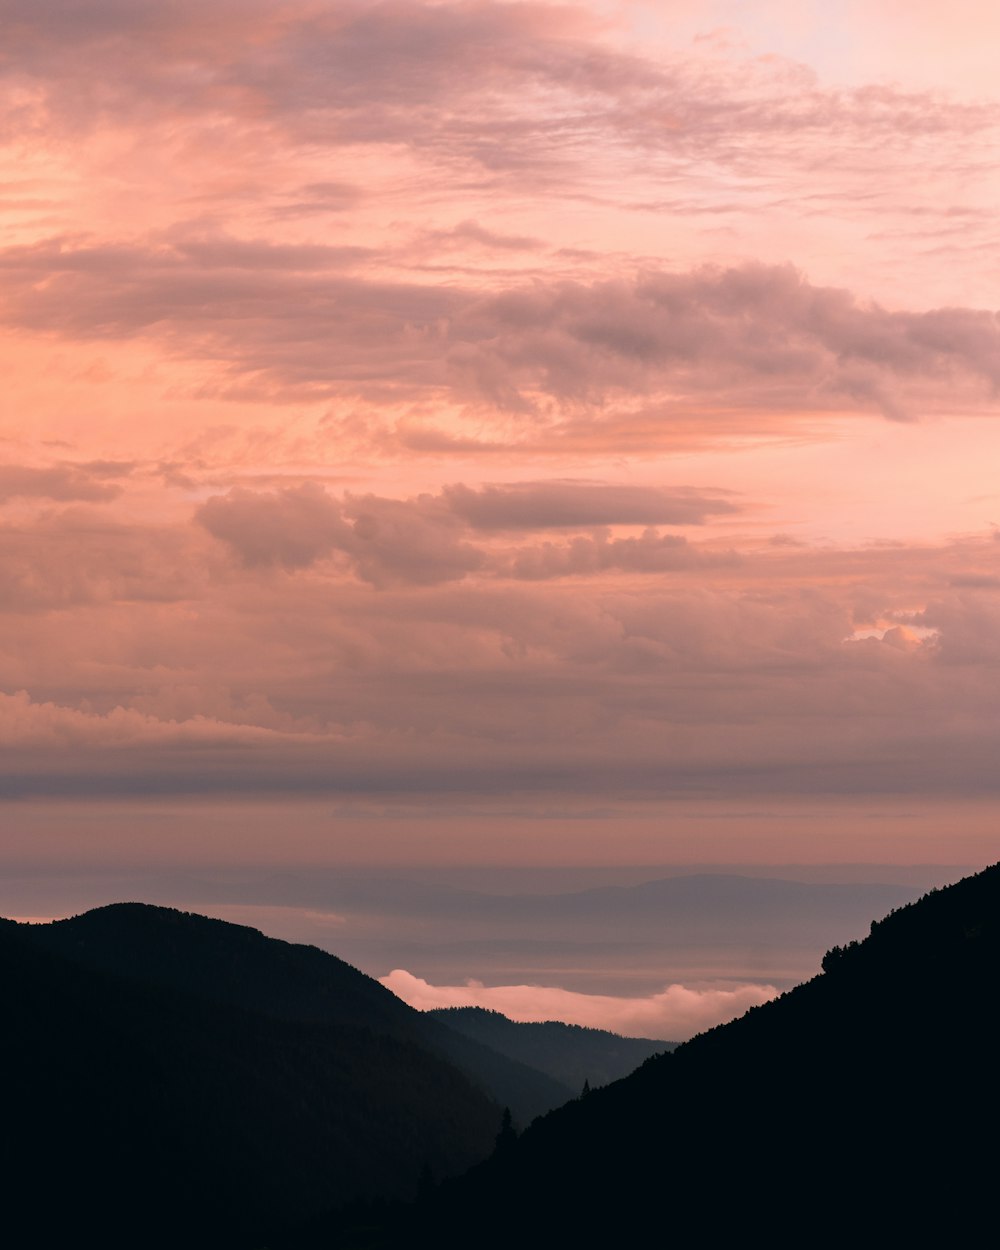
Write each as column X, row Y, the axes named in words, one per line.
column 570, row 1054
column 859, row 1109
column 683, row 928
column 626, row 939
column 177, row 1080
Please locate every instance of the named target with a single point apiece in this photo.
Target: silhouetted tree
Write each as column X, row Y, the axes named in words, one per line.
column 507, row 1135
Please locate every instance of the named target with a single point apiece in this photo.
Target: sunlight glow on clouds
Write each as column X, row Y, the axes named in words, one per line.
column 412, row 400
column 674, row 1014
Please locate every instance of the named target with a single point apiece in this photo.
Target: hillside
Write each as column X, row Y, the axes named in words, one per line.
column 240, row 967
column 860, row 1108
column 139, row 1116
column 567, row 1052
column 179, row 1080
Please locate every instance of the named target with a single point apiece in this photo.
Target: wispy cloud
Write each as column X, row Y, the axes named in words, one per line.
column 501, row 400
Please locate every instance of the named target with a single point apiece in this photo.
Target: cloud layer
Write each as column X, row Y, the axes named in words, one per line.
column 674, row 1014
column 292, row 322
column 424, row 403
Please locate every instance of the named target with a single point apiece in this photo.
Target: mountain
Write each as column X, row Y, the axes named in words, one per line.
column 858, row 1109
column 569, row 1053
column 138, row 1116
column 240, row 967
column 173, row 1080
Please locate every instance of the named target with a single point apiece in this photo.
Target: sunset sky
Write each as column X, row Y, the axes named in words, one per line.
column 498, row 433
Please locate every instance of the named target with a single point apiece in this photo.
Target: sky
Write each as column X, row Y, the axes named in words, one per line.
column 498, row 433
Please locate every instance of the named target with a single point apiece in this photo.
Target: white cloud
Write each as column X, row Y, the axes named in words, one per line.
column 674, row 1014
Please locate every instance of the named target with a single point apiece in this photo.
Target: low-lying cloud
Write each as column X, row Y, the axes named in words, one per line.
column 674, row 1014
column 26, row 723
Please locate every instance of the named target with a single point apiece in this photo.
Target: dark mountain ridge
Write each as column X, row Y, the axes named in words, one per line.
column 239, row 966
column 140, row 1115
column 570, row 1053
column 859, row 1108
column 175, row 1080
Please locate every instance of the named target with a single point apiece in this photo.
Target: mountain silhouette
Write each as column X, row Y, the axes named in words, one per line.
column 569, row 1053
column 858, row 1109
column 174, row 1080
column 239, row 966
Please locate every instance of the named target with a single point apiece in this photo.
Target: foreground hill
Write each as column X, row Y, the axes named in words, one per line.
column 860, row 1108
column 136, row 1116
column 567, row 1052
column 174, row 1080
column 240, row 967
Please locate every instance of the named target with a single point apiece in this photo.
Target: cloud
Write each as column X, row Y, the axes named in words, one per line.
column 472, row 232
column 754, row 338
column 61, row 482
column 422, row 541
column 258, row 309
column 651, row 552
column 731, row 680
column 400, row 71
column 375, row 234
column 976, row 581
column 674, row 1014
column 291, row 528
column 81, row 556
column 26, row 723
column 562, row 504
column 754, row 334
column 389, row 541
column 415, row 542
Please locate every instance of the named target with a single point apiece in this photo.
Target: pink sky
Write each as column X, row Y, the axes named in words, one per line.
column 499, row 432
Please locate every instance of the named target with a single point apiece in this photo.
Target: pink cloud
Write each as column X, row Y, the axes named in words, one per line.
column 430, row 313
column 651, row 552
column 25, row 723
column 757, row 338
column 423, row 541
column 291, row 528
column 169, row 666
column 61, row 482
column 394, row 71
column 76, row 556
column 389, row 541
column 674, row 1014
column 562, row 504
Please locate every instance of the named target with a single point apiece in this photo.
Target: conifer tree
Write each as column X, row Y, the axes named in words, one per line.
column 507, row 1135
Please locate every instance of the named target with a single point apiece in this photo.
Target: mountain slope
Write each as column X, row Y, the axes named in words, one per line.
column 859, row 1108
column 136, row 1115
column 567, row 1052
column 240, row 967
